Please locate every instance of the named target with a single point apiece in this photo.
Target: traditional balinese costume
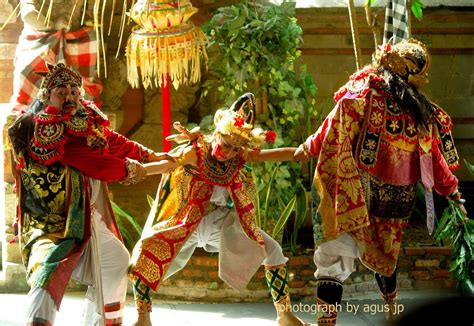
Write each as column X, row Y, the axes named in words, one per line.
column 371, row 153
column 66, row 224
column 210, row 206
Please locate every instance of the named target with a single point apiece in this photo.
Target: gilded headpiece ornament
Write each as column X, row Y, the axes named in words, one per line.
column 409, row 59
column 59, row 75
column 238, row 125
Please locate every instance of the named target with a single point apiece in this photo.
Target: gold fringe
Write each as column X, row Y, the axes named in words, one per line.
column 132, row 9
column 47, row 19
column 112, row 16
column 41, row 9
column 84, row 12
column 156, row 20
column 178, row 55
column 15, row 12
column 97, row 33
column 122, row 27
column 72, row 13
column 102, row 42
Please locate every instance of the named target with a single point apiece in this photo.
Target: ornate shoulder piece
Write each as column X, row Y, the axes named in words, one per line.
column 48, row 130
column 47, row 142
column 79, row 124
column 444, row 138
column 96, row 114
column 443, row 120
column 359, row 84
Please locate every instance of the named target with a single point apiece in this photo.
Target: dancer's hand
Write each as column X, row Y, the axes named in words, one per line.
column 301, row 154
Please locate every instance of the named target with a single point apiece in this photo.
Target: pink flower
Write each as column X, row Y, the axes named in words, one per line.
column 270, row 136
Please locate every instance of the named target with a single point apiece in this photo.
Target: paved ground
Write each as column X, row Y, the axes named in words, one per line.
column 248, row 314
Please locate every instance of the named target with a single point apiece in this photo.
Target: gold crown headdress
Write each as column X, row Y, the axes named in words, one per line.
column 409, row 59
column 58, row 75
column 238, row 125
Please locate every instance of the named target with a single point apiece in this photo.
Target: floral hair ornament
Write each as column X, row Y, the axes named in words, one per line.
column 239, row 125
column 409, row 59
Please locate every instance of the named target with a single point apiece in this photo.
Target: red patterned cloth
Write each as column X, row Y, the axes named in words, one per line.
column 77, row 49
column 370, row 157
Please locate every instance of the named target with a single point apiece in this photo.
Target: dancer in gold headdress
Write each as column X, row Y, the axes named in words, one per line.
column 382, row 137
column 207, row 200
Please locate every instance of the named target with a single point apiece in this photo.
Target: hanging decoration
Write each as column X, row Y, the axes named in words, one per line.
column 167, row 48
column 165, row 44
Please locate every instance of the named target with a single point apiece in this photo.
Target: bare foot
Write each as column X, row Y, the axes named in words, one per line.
column 288, row 319
column 143, row 320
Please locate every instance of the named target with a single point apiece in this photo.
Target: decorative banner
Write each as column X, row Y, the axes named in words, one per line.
column 396, row 22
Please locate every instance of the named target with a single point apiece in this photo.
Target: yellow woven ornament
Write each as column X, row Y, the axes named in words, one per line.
column 159, row 15
column 175, row 52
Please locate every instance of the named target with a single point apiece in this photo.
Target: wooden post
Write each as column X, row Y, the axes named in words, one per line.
column 166, row 112
column 373, row 23
column 409, row 17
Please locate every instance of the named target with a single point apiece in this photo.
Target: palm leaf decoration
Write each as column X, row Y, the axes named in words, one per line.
column 459, row 231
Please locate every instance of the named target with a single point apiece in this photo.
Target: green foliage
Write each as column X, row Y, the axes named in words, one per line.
column 417, row 7
column 256, row 47
column 124, row 220
column 470, row 167
column 301, row 211
column 459, row 232
column 369, row 3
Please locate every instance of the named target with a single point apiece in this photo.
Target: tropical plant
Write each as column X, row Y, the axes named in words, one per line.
column 458, row 230
column 124, row 219
column 255, row 49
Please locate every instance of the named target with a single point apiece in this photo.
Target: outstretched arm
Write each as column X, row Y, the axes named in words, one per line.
column 187, row 155
column 275, row 154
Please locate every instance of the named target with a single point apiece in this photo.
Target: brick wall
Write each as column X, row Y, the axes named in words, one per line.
column 419, row 268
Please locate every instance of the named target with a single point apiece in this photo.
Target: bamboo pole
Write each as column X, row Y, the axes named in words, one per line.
column 355, row 34
column 409, row 17
column 373, row 24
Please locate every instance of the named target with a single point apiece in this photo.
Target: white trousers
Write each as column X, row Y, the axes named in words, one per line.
column 335, row 258
column 208, row 236
column 114, row 261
